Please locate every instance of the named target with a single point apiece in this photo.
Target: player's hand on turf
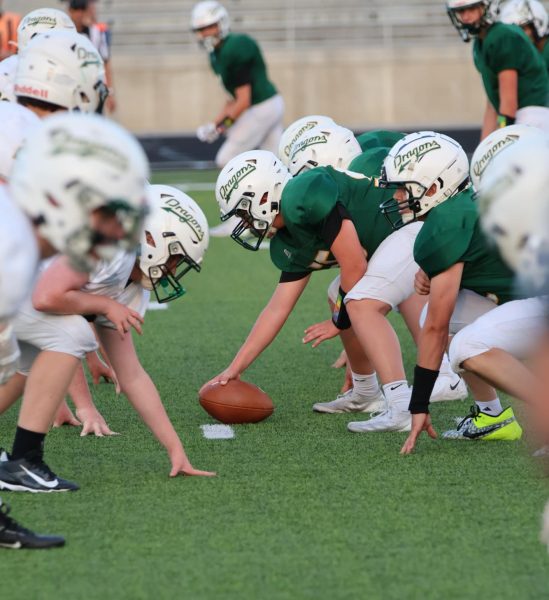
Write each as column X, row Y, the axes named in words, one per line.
column 100, row 369
column 64, row 416
column 93, row 423
column 422, row 283
column 420, row 422
column 181, row 464
column 207, row 133
column 123, row 318
column 320, row 332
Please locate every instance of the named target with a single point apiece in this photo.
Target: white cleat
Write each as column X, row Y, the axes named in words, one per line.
column 390, row 420
column 352, row 401
column 449, row 387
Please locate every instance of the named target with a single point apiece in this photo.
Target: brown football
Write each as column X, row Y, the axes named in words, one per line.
column 236, row 402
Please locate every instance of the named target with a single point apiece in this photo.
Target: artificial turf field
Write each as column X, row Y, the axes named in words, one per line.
column 300, row 508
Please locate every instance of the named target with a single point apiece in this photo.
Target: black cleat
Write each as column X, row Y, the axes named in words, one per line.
column 13, row 535
column 32, row 474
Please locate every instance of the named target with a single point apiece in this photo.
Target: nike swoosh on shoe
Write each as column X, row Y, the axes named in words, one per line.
column 40, row 480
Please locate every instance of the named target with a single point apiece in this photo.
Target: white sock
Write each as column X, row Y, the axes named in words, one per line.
column 365, row 385
column 398, row 394
column 493, row 407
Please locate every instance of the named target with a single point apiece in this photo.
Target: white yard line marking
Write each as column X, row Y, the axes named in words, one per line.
column 217, row 432
column 157, row 306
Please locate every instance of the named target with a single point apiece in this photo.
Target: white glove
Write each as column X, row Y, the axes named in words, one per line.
column 9, row 353
column 544, row 536
column 207, row 133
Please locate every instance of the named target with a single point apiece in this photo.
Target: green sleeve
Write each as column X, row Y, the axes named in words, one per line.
column 442, row 242
column 312, row 197
column 506, row 51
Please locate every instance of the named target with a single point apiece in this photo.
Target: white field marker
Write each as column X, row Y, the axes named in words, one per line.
column 217, row 432
column 157, row 306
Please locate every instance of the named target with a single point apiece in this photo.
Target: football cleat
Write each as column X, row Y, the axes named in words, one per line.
column 352, row 401
column 449, row 387
column 15, row 536
column 482, row 426
column 32, row 474
column 389, row 420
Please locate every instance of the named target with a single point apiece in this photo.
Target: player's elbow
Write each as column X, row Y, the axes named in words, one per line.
column 45, row 301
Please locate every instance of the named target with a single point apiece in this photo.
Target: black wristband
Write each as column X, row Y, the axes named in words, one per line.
column 340, row 318
column 424, row 382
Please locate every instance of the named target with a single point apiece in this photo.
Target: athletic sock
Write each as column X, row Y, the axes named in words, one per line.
column 493, row 407
column 26, row 442
column 365, row 385
column 398, row 394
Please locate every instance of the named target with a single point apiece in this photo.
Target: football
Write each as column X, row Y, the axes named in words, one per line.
column 236, row 402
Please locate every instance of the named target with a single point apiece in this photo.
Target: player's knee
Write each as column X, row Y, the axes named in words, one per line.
column 465, row 345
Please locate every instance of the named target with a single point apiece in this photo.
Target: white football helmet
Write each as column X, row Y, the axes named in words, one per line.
column 16, row 122
column 250, row 187
column 209, row 13
column 175, row 227
column 491, row 12
column 514, row 205
column 7, row 76
column 417, row 163
column 495, row 143
column 62, row 68
column 298, row 128
column 526, row 12
column 40, row 21
column 323, row 146
column 75, row 170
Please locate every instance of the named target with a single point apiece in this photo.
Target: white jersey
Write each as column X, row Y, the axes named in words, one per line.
column 18, row 256
column 111, row 278
column 16, row 123
column 7, row 76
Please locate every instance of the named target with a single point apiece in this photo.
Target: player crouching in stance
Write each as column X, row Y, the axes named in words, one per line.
column 174, row 240
column 470, row 285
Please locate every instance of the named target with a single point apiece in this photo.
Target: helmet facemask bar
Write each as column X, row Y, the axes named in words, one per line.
column 397, row 211
column 248, row 229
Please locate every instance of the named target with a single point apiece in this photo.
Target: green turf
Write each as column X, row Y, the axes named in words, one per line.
column 301, row 508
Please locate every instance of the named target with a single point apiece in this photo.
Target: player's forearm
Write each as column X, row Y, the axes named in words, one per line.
column 433, row 340
column 508, row 94
column 73, row 302
column 489, row 122
column 144, row 397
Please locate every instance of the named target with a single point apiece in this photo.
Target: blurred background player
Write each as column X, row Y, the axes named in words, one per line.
column 252, row 117
column 513, row 72
column 84, row 15
column 532, row 17
column 9, row 22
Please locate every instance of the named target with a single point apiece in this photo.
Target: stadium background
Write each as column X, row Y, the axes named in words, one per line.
column 377, row 63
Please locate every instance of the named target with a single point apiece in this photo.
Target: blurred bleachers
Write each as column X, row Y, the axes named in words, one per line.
column 162, row 26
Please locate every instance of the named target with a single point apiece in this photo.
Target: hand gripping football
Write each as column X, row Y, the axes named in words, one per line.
column 236, row 402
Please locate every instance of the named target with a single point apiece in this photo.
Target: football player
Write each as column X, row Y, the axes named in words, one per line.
column 174, row 240
column 55, row 218
column 513, row 72
column 335, row 146
column 429, row 173
column 252, row 118
column 532, row 17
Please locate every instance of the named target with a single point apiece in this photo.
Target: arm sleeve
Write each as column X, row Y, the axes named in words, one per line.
column 332, row 224
column 286, row 276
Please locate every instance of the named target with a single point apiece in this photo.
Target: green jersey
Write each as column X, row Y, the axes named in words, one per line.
column 238, row 61
column 375, row 147
column 545, row 53
column 313, row 205
column 508, row 47
column 378, row 138
column 451, row 234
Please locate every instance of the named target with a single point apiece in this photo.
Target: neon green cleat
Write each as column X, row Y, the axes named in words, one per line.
column 482, row 426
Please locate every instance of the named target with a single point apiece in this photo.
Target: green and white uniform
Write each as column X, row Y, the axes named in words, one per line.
column 313, row 206
column 238, row 61
column 491, row 310
column 545, row 53
column 507, row 47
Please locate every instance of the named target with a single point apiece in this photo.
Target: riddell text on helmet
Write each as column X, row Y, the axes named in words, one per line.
column 28, row 90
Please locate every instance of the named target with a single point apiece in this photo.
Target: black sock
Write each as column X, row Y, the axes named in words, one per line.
column 26, row 442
